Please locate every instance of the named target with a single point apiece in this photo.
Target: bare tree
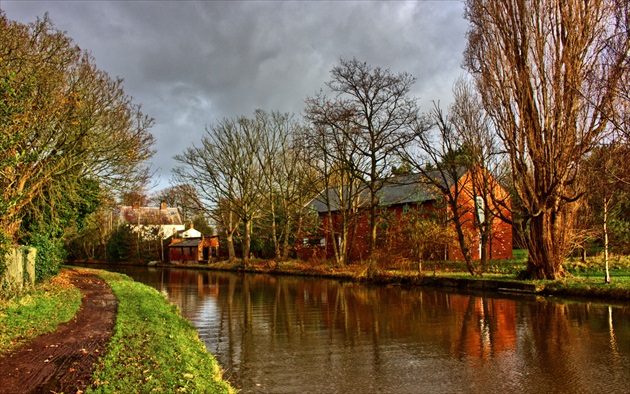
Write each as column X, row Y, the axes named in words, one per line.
column 442, row 163
column 607, row 181
column 285, row 176
column 332, row 157
column 548, row 72
column 457, row 156
column 484, row 161
column 225, row 172
column 372, row 111
column 183, row 197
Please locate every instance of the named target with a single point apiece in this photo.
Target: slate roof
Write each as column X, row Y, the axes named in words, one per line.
column 405, row 189
column 150, row 216
column 190, row 242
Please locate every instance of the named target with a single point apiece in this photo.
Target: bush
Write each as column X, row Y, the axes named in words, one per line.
column 50, row 256
column 121, row 245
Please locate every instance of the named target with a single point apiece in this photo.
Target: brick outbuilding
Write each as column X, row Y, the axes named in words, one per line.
column 192, row 246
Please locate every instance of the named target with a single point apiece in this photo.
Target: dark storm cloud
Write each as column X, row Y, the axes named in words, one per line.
column 192, row 63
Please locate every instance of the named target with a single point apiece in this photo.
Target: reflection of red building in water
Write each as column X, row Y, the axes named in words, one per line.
column 401, row 198
column 488, row 326
column 192, row 246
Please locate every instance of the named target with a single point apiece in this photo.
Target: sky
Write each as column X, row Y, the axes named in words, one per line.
column 192, row 63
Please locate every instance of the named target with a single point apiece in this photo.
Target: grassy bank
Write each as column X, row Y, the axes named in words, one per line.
column 153, row 349
column 52, row 302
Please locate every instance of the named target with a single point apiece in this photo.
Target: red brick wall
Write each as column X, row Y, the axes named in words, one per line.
column 500, row 245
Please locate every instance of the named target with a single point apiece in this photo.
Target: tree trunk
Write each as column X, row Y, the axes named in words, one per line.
column 546, row 240
column 229, row 239
column 284, row 253
column 464, row 245
column 247, row 237
column 607, row 279
column 465, row 248
column 274, row 230
column 373, row 225
column 483, row 244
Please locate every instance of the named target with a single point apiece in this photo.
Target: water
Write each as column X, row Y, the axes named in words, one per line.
column 303, row 335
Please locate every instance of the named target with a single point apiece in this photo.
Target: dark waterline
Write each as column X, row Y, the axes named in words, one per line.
column 304, row 335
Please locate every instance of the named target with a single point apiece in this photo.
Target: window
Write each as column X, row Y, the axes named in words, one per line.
column 480, row 207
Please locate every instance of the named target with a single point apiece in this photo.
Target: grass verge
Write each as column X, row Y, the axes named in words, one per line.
column 153, row 348
column 53, row 302
column 592, row 286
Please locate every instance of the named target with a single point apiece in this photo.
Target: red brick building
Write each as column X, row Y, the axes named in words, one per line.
column 401, row 199
column 192, row 246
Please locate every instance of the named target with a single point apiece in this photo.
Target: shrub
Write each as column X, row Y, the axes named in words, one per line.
column 50, row 255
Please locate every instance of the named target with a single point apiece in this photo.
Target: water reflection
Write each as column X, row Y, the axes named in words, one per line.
column 289, row 334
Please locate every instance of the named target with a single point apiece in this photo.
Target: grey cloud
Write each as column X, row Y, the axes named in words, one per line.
column 192, row 63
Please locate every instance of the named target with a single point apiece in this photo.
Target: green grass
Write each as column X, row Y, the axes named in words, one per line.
column 153, row 348
column 21, row 319
column 519, row 254
column 618, row 288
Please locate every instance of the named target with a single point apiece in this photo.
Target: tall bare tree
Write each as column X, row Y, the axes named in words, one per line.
column 548, row 72
column 371, row 110
column 457, row 155
column 335, row 160
column 442, row 162
column 607, row 181
column 226, row 173
column 285, row 176
column 484, row 160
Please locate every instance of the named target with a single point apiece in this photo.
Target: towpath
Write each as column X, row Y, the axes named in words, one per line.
column 64, row 360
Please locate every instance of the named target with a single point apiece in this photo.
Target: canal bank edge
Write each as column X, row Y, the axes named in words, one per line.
column 568, row 287
column 150, row 333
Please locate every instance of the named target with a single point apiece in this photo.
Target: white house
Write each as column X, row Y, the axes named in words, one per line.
column 152, row 222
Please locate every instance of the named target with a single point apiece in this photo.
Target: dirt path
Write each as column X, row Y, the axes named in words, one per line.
column 62, row 361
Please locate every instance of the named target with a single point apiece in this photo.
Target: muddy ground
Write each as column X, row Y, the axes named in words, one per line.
column 63, row 360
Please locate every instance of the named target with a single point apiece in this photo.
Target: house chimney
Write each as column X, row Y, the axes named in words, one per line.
column 163, row 205
column 192, row 225
column 136, row 205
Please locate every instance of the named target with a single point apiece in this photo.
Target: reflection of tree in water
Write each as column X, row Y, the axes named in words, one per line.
column 353, row 312
column 564, row 340
column 471, row 326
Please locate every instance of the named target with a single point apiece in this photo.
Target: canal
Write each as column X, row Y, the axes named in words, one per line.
column 283, row 334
